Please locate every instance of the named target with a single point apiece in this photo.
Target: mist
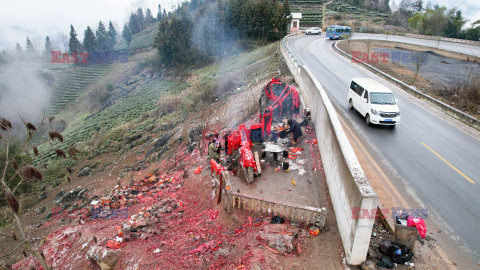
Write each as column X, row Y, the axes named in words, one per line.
column 212, row 38
column 23, row 92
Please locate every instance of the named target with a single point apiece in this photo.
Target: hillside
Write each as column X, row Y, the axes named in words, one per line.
column 339, row 12
column 121, row 119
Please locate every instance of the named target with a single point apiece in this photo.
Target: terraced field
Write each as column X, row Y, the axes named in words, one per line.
column 140, row 40
column 142, row 100
column 312, row 13
column 145, row 97
column 73, row 83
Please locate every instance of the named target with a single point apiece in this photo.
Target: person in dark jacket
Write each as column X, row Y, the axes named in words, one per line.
column 295, row 129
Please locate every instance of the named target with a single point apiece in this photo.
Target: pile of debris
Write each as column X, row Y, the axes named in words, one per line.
column 162, row 221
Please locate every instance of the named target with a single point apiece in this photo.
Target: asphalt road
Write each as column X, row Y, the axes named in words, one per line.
column 438, row 161
column 444, row 45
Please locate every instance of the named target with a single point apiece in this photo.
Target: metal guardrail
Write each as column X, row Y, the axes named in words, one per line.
column 465, row 117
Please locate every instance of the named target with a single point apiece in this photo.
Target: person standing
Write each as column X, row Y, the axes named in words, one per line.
column 214, row 149
column 295, row 129
column 225, row 139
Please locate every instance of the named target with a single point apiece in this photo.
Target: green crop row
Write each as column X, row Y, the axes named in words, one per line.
column 72, row 83
column 140, row 40
column 140, row 101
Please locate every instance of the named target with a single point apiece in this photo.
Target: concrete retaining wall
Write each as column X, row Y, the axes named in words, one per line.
column 348, row 186
column 301, row 213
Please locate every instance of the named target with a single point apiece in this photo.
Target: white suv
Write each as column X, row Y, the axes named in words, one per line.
column 314, row 31
column 373, row 101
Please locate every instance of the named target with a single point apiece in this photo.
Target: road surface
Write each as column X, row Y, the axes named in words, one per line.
column 443, row 45
column 439, row 162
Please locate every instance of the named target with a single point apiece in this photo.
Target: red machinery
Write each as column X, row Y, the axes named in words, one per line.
column 284, row 101
column 239, row 140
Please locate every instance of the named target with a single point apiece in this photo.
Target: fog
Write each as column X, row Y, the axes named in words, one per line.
column 23, row 92
column 211, row 37
column 37, row 19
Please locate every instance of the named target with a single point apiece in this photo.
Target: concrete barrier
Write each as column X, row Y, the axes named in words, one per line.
column 301, row 213
column 347, row 184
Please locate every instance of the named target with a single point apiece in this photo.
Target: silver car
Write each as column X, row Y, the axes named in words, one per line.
column 314, row 31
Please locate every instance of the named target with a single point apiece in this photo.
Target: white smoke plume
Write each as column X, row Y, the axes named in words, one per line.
column 23, row 92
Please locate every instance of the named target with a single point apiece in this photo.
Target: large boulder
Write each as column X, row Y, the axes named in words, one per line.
column 105, row 258
column 84, row 172
column 278, row 236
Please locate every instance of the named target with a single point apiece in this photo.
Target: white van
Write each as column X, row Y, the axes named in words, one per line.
column 373, row 101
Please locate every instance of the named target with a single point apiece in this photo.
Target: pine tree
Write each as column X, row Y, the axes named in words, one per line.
column 133, row 24
column 48, row 46
column 141, row 20
column 126, row 34
column 159, row 13
column 112, row 33
column 286, row 17
column 74, row 45
column 30, row 49
column 102, row 38
column 89, row 40
column 19, row 50
column 148, row 17
column 3, row 57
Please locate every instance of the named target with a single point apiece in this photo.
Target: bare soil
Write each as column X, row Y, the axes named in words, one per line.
column 195, row 233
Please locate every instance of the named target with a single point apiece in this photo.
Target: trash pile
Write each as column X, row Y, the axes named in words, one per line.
column 163, row 220
column 411, row 221
column 394, row 254
column 389, row 251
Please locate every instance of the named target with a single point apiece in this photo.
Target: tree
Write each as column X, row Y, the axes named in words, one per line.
column 141, row 20
column 159, row 13
column 127, row 35
column 417, row 5
column 112, row 34
column 19, row 50
column 286, row 18
column 102, row 38
column 48, row 46
column 133, row 24
column 148, row 17
column 173, row 42
column 63, row 39
column 420, row 59
column 30, row 49
column 417, row 22
column 74, row 45
column 89, row 40
column 430, row 22
column 472, row 33
column 455, row 22
column 3, row 57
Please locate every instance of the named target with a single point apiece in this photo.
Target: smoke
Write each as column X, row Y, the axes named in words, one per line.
column 212, row 38
column 23, row 92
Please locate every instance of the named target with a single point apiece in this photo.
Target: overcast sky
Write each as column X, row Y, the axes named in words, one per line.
column 39, row 18
column 470, row 8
